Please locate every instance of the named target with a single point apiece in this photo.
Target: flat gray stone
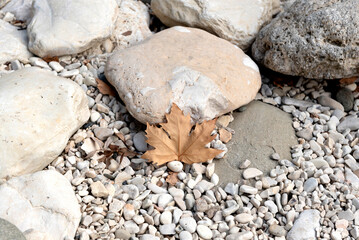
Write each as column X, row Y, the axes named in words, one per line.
column 10, row 231
column 260, row 131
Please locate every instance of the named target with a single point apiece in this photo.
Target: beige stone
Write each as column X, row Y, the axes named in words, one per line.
column 13, row 43
column 42, row 205
column 68, row 27
column 237, row 21
column 39, row 112
column 204, row 75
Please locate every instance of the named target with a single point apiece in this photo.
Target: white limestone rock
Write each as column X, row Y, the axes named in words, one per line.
column 237, row 21
column 175, row 65
column 39, row 112
column 68, row 27
column 304, row 227
column 42, row 205
column 132, row 24
column 20, row 8
column 13, row 43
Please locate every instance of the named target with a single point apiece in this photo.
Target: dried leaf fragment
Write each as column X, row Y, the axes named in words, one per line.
column 172, row 178
column 105, row 88
column 177, row 141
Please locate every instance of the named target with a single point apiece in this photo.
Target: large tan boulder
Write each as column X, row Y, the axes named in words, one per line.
column 204, row 75
column 39, row 112
column 237, row 21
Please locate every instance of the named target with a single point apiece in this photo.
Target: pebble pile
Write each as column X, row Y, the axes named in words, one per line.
column 314, row 195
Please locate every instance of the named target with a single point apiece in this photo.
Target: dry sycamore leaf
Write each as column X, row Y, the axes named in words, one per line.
column 176, row 141
column 347, row 81
column 50, row 59
column 104, row 88
column 172, row 178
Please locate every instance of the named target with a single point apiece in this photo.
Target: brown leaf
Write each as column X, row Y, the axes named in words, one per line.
column 347, row 81
column 224, row 135
column 104, row 88
column 50, row 59
column 177, row 141
column 172, row 178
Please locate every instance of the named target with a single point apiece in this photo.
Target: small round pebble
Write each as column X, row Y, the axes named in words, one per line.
column 204, row 232
column 175, row 166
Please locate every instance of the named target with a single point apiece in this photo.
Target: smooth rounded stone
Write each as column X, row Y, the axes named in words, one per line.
column 156, row 189
column 248, row 189
column 10, row 231
column 310, row 185
column 21, row 9
column 98, row 189
column 298, row 44
column 305, row 225
column 103, row 133
column 330, row 102
column 44, row 202
column 131, row 190
column 237, row 22
column 346, row 98
column 351, row 123
column 166, row 217
column 175, row 166
column 139, row 141
column 320, row 163
column 305, row 133
column 264, row 130
column 251, row 173
column 13, row 43
column 164, row 200
column 131, row 227
column 122, row 234
column 184, row 235
column 87, row 23
column 277, row 230
column 244, row 218
column 175, row 66
column 149, row 237
column 204, row 232
column 188, row 224
column 39, row 113
column 129, row 211
column 168, row 229
column 240, row 236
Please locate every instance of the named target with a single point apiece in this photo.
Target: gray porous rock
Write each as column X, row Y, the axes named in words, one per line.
column 313, row 38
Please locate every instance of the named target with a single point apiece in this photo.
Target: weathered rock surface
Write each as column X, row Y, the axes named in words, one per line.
column 304, row 226
column 235, row 21
column 10, row 231
column 314, row 39
column 132, row 24
column 68, row 27
column 3, row 3
column 260, row 131
column 176, row 66
column 13, row 43
column 20, row 8
column 42, row 205
column 38, row 113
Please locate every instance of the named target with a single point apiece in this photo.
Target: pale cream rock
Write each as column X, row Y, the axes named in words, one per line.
column 237, row 21
column 132, row 24
column 20, row 8
column 39, row 112
column 68, row 27
column 13, row 43
column 204, row 75
column 42, row 205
